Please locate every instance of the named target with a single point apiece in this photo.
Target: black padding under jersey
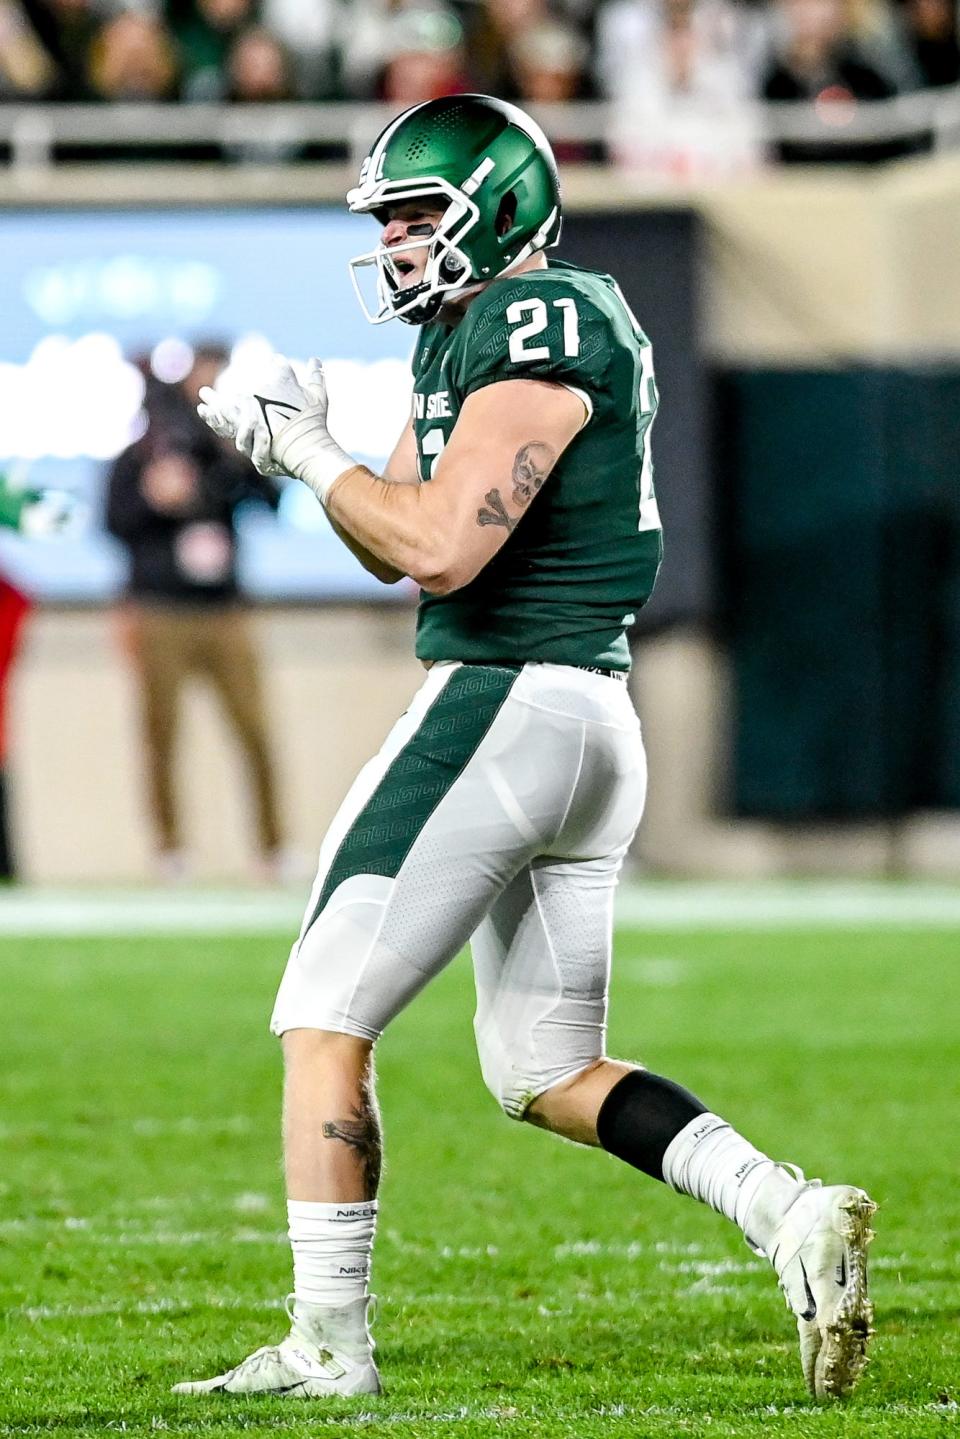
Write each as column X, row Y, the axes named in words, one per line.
column 641, row 1115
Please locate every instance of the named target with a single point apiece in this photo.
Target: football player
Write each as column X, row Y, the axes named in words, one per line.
column 520, row 498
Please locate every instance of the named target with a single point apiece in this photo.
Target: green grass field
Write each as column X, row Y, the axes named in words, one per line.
column 526, row 1287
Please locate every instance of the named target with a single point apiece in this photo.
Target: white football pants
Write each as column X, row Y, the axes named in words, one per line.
column 500, row 808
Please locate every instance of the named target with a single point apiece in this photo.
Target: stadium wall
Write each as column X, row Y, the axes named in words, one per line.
column 337, row 678
column 823, row 274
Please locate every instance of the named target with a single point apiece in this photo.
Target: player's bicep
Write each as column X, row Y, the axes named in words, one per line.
column 401, row 468
column 507, row 440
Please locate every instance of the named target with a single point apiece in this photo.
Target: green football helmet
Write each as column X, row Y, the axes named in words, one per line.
column 493, row 169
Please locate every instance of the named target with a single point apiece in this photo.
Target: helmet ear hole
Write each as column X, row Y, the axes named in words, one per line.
column 506, row 214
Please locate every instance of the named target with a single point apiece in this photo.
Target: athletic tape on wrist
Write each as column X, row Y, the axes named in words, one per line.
column 304, row 448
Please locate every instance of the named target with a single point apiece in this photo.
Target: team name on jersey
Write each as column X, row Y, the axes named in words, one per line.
column 432, row 407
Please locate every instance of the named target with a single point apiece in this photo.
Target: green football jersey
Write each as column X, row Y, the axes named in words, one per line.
column 583, row 558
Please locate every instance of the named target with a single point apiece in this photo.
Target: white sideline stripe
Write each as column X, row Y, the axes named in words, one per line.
column 74, row 913
column 656, row 906
column 803, row 903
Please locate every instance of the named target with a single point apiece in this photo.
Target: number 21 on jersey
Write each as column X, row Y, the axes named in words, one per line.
column 539, row 319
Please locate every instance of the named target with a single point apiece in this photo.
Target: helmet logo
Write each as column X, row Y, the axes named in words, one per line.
column 366, row 178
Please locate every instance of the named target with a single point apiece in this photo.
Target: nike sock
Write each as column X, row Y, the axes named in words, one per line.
column 332, row 1245
column 711, row 1162
column 663, row 1129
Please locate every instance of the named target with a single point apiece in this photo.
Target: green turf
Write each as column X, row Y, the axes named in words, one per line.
column 526, row 1287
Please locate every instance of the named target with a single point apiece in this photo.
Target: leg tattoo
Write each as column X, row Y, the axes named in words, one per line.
column 361, row 1132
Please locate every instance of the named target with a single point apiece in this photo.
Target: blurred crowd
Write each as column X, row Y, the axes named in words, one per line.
column 402, row 51
column 696, row 59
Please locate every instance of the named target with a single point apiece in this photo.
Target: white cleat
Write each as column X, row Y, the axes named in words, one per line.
column 302, row 1366
column 819, row 1252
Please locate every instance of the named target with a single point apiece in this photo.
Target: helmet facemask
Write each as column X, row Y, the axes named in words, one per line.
column 448, row 270
column 491, row 169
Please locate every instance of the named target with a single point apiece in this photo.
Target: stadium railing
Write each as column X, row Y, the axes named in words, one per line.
column 32, row 133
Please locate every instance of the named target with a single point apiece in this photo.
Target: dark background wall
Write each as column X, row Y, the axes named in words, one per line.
column 812, row 522
column 655, row 256
column 840, row 528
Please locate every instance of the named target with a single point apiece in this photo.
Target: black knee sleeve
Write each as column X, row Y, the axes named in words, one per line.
column 641, row 1115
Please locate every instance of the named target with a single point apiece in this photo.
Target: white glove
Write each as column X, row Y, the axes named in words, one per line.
column 281, row 425
column 225, row 415
column 220, row 412
column 233, row 417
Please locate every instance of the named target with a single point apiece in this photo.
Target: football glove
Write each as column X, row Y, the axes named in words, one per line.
column 219, row 412
column 281, row 424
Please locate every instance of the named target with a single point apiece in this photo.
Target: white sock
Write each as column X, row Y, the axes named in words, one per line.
column 332, row 1245
column 711, row 1162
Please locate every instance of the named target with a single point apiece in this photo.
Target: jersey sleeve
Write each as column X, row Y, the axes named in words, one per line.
column 529, row 331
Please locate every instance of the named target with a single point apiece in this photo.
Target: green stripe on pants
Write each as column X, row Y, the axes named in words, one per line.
column 449, row 735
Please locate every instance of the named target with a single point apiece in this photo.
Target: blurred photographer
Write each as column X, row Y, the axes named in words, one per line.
column 172, row 502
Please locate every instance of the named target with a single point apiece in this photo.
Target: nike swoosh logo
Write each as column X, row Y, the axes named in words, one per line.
column 263, row 402
column 811, row 1309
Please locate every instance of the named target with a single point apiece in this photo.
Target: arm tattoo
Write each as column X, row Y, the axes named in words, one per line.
column 531, row 466
column 362, row 1134
column 496, row 512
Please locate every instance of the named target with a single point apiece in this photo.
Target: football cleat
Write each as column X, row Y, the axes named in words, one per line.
column 302, row 1366
column 819, row 1252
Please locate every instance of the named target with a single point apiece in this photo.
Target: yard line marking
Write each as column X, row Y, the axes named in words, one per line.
column 713, row 1268
column 674, row 1257
column 555, row 1304
column 652, row 906
column 631, row 1250
column 137, row 1238
column 143, row 1126
column 38, row 1312
column 709, row 1286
